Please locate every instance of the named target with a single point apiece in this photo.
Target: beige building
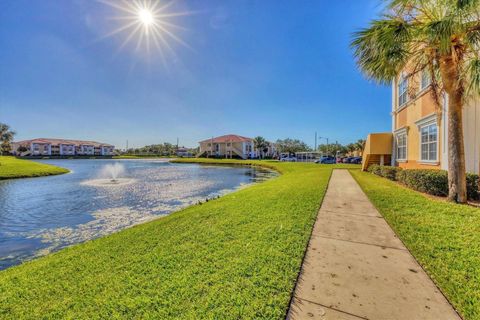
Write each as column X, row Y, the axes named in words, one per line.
column 61, row 147
column 418, row 138
column 228, row 146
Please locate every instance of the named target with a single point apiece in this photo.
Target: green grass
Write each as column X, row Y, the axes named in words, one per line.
column 444, row 237
column 11, row 167
column 230, row 258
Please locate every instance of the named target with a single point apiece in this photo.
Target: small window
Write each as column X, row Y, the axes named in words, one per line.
column 428, row 142
column 402, row 91
column 401, row 146
column 426, row 80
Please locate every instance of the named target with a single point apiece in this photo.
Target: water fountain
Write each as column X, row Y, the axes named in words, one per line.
column 111, row 175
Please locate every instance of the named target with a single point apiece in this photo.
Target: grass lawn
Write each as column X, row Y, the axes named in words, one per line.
column 443, row 237
column 11, row 167
column 230, row 258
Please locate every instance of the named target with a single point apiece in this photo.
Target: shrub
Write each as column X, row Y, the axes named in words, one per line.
column 375, row 169
column 431, row 181
column 472, row 186
column 435, row 182
column 390, row 172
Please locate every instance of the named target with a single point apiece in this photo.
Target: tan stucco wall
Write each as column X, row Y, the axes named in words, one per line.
column 417, row 108
column 379, row 143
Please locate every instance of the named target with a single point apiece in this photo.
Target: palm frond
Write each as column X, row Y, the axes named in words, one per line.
column 473, row 76
column 382, row 49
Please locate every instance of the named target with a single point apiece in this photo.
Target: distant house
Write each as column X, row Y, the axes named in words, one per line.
column 228, row 146
column 61, row 147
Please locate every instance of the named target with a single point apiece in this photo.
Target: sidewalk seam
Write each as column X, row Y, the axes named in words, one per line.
column 338, row 310
column 364, row 243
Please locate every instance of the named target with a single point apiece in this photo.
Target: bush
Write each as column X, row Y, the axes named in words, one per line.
column 435, row 182
column 388, row 172
column 472, row 186
column 375, row 169
column 431, row 181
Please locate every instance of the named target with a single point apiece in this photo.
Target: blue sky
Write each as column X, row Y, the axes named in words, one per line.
column 272, row 68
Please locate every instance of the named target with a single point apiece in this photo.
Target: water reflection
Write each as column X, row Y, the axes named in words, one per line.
column 41, row 215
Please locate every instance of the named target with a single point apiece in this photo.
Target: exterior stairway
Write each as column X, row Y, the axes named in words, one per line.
column 378, row 149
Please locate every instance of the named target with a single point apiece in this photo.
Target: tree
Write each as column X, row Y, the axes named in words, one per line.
column 291, row 146
column 440, row 37
column 351, row 147
column 260, row 144
column 6, row 138
column 359, row 145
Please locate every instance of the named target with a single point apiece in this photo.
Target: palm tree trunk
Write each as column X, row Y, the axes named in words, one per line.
column 457, row 181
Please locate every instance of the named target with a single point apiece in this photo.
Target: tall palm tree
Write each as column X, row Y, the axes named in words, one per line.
column 260, row 143
column 6, row 138
column 441, row 37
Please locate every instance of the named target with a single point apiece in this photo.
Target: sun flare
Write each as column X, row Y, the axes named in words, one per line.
column 145, row 17
column 148, row 24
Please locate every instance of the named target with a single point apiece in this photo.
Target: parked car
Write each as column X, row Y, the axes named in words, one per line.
column 289, row 158
column 347, row 159
column 340, row 159
column 356, row 160
column 326, row 160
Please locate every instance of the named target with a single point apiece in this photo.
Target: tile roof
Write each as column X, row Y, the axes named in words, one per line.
column 228, row 138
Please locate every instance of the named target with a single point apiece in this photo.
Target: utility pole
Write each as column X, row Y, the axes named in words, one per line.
column 126, row 148
column 315, row 141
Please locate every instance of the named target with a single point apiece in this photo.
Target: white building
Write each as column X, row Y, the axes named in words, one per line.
column 61, row 147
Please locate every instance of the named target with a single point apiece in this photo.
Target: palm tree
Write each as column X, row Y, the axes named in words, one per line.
column 6, row 138
column 351, row 147
column 360, row 145
column 441, row 37
column 260, row 144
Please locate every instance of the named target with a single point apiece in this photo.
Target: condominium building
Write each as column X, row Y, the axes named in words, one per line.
column 419, row 137
column 61, row 147
column 229, row 146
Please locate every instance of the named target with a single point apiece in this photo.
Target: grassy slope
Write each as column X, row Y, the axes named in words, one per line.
column 444, row 237
column 11, row 167
column 235, row 257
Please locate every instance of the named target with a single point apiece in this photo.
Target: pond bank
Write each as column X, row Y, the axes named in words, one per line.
column 234, row 257
column 14, row 168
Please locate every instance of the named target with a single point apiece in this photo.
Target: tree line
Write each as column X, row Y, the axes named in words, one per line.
column 290, row 145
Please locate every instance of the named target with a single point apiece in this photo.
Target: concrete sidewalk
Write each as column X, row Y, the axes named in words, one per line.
column 356, row 267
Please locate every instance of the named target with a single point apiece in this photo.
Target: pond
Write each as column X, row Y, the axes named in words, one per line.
column 99, row 197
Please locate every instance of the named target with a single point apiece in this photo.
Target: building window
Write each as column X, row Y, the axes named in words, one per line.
column 402, row 91
column 426, row 80
column 401, row 146
column 428, row 142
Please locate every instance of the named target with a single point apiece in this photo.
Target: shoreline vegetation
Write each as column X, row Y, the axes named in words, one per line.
column 14, row 168
column 443, row 237
column 237, row 257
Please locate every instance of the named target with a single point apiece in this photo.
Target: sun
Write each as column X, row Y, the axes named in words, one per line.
column 148, row 24
column 145, row 16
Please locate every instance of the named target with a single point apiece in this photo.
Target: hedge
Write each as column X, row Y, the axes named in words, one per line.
column 431, row 181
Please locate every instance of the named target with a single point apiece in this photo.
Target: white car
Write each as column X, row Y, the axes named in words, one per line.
column 290, row 159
